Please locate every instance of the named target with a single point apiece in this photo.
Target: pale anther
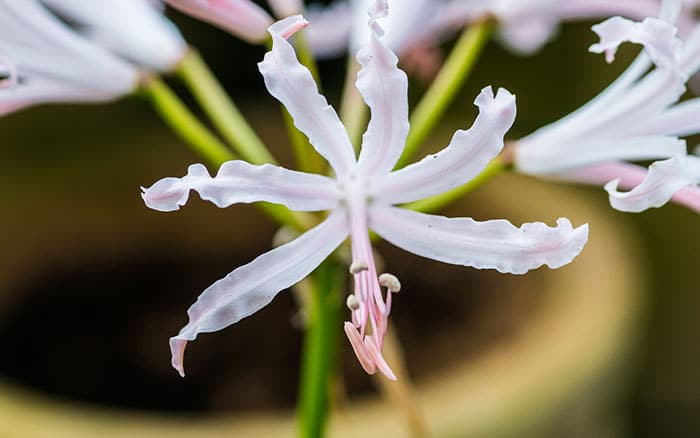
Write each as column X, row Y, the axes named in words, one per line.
column 357, row 267
column 352, row 302
column 390, row 282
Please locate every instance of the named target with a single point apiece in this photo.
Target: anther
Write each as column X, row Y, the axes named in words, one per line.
column 352, row 302
column 390, row 282
column 357, row 267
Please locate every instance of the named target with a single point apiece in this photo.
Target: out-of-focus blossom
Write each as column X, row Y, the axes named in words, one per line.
column 636, row 118
column 285, row 8
column 523, row 26
column 50, row 63
column 242, row 18
column 360, row 198
column 134, row 29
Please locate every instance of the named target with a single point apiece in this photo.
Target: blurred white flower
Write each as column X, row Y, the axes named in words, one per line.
column 50, row 63
column 523, row 26
column 242, row 18
column 285, row 8
column 636, row 118
column 361, row 196
column 134, row 29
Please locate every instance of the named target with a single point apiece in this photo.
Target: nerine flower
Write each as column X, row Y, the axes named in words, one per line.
column 637, row 118
column 242, row 18
column 50, row 63
column 360, row 197
column 135, row 29
column 523, row 26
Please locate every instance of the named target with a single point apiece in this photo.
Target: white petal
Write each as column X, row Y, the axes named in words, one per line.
column 44, row 50
column 495, row 244
column 242, row 18
column 681, row 120
column 385, row 89
column 408, row 22
column 242, row 182
column 664, row 180
column 251, row 287
column 329, row 28
column 131, row 28
column 292, row 84
column 584, row 152
column 628, row 176
column 657, row 36
column 463, row 159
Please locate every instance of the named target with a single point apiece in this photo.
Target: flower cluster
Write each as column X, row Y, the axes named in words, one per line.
column 360, row 197
column 636, row 118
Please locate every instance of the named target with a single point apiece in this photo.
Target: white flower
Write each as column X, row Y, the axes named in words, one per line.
column 636, row 118
column 134, row 29
column 50, row 63
column 359, row 198
column 523, row 26
column 242, row 18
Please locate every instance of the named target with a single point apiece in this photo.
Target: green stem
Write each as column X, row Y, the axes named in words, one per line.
column 353, row 110
column 444, row 88
column 437, row 202
column 184, row 123
column 320, row 349
column 204, row 143
column 221, row 110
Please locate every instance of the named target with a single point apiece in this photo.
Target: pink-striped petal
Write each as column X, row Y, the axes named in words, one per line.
column 495, row 244
column 242, row 18
column 466, row 155
column 251, row 287
column 241, row 182
column 385, row 89
column 587, row 151
column 664, row 180
column 657, row 36
column 628, row 176
column 292, row 84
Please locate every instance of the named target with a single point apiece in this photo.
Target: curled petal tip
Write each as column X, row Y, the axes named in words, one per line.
column 287, row 27
column 165, row 195
column 177, row 351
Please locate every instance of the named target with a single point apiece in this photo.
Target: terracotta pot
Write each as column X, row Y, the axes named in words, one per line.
column 564, row 359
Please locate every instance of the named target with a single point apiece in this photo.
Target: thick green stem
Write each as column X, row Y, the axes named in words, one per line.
column 184, row 123
column 437, row 202
column 221, row 110
column 181, row 120
column 445, row 87
column 320, row 349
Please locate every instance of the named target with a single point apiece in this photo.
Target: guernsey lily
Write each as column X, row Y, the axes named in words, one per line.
column 637, row 118
column 134, row 29
column 523, row 26
column 48, row 62
column 360, row 197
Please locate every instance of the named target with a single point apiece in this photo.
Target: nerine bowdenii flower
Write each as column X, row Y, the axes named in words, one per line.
column 361, row 196
column 637, row 118
column 242, row 18
column 523, row 26
column 135, row 29
column 48, row 62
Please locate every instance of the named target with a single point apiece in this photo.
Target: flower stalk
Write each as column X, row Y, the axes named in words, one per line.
column 179, row 118
column 445, row 87
column 205, row 144
column 221, row 109
column 320, row 349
